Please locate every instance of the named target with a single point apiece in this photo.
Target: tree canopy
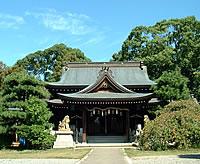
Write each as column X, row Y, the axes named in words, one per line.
column 165, row 46
column 172, row 86
column 23, row 111
column 5, row 71
column 47, row 65
column 19, row 88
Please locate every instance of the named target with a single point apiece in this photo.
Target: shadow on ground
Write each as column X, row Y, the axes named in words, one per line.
column 190, row 156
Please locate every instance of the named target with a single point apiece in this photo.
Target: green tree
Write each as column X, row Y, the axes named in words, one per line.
column 48, row 64
column 176, row 126
column 17, row 95
column 3, row 72
column 164, row 47
column 171, row 86
column 36, row 126
column 197, row 83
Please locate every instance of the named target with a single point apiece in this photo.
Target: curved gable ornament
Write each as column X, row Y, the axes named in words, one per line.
column 105, row 83
column 103, row 71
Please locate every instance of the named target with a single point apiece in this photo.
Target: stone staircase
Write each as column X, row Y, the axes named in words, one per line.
column 106, row 139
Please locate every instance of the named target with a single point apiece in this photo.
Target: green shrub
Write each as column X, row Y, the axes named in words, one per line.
column 36, row 127
column 177, row 126
column 37, row 136
column 5, row 141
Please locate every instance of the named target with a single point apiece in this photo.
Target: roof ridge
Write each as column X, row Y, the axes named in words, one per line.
column 103, row 64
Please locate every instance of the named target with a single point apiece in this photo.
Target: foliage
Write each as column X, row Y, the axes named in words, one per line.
column 37, row 136
column 171, row 86
column 164, row 47
column 20, row 87
column 177, row 126
column 37, row 112
column 197, row 83
column 23, row 93
column 36, row 126
column 3, row 70
column 5, row 141
column 48, row 64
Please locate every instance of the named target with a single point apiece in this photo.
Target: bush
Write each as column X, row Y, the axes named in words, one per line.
column 37, row 136
column 177, row 126
column 5, row 141
column 36, row 126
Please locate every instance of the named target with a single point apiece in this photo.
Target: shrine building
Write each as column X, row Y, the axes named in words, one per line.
column 102, row 98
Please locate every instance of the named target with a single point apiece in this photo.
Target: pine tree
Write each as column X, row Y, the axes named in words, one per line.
column 21, row 105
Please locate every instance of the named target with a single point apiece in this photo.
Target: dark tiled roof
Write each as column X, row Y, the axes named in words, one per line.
column 84, row 74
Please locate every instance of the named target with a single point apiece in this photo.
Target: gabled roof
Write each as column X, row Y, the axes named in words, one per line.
column 105, row 89
column 85, row 74
column 105, row 82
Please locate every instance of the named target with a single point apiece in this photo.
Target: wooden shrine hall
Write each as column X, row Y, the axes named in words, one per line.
column 102, row 98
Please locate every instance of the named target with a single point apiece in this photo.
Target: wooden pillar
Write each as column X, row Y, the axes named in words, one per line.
column 127, row 126
column 106, row 124
column 84, row 126
column 76, row 130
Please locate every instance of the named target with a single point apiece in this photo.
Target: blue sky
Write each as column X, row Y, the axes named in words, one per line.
column 97, row 27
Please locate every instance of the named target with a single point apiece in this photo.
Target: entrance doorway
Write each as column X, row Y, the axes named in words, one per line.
column 115, row 125
column 106, row 124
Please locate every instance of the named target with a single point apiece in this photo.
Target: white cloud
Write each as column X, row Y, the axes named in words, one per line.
column 94, row 41
column 10, row 21
column 76, row 24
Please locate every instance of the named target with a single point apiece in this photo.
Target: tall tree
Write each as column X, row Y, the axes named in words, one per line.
column 166, row 46
column 19, row 88
column 3, row 72
column 47, row 64
column 171, row 86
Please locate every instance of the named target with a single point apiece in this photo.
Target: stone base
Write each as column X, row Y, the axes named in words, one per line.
column 63, row 139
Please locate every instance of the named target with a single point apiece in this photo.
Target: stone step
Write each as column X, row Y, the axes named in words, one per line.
column 106, row 136
column 105, row 145
column 105, row 139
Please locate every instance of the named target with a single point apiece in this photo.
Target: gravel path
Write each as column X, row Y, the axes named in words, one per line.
column 106, row 156
column 112, row 156
column 170, row 159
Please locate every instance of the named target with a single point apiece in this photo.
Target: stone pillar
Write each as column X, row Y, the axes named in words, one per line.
column 84, row 126
column 63, row 139
column 64, row 134
column 127, row 126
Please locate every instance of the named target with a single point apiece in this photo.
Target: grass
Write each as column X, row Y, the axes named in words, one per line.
column 138, row 153
column 67, row 153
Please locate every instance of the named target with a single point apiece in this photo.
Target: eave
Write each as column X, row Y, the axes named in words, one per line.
column 106, row 97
